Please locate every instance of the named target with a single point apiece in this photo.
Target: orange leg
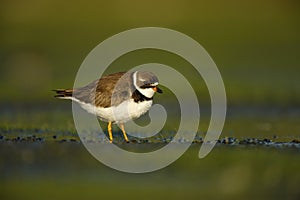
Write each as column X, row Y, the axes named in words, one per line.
column 110, row 132
column 124, row 132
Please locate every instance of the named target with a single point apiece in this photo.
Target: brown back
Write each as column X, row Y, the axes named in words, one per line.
column 117, row 86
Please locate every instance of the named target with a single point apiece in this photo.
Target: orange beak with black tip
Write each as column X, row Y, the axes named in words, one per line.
column 157, row 89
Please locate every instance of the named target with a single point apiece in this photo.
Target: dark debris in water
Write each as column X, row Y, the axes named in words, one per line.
column 32, row 138
column 258, row 142
column 231, row 141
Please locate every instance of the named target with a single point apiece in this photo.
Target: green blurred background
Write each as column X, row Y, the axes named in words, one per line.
column 255, row 45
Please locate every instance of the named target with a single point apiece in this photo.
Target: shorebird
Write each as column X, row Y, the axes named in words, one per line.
column 116, row 98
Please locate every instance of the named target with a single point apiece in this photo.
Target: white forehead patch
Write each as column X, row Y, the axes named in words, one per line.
column 154, row 84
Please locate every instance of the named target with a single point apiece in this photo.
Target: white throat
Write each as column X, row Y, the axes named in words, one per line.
column 147, row 92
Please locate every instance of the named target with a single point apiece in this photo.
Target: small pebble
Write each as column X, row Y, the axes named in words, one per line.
column 200, row 141
column 164, row 140
column 295, row 141
column 228, row 140
column 39, row 139
column 266, row 140
column 63, row 140
column 144, row 141
column 134, row 141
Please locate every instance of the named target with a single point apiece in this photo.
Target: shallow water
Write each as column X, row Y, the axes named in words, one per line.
column 42, row 156
column 68, row 171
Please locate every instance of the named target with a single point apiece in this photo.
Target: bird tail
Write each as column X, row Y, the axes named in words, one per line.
column 63, row 93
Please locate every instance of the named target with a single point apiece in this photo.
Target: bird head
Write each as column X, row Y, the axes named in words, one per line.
column 146, row 83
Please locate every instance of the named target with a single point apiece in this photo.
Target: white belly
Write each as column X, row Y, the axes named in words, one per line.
column 124, row 112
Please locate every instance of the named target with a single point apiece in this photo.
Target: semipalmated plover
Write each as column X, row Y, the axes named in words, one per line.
column 116, row 98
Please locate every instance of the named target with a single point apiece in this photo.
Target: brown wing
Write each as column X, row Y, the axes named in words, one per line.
column 107, row 91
